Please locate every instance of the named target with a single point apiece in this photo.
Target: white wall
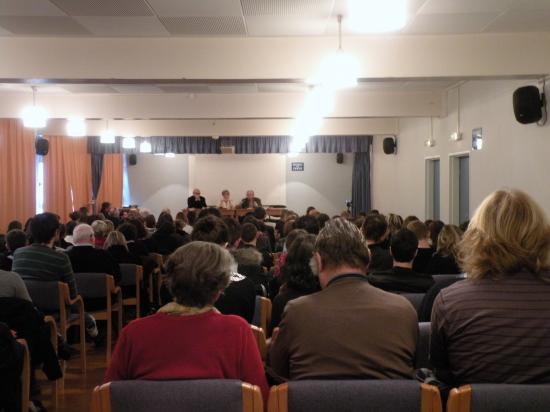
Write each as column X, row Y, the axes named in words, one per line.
column 157, row 182
column 513, row 155
column 323, row 184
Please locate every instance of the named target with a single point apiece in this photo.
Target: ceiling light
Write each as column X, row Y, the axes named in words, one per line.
column 170, row 155
column 129, row 142
column 430, row 142
column 107, row 136
column 339, row 70
column 145, row 147
column 76, row 127
column 34, row 116
column 376, row 16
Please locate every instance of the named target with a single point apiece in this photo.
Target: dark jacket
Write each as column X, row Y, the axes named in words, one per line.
column 380, row 258
column 401, row 280
column 422, row 259
column 247, row 204
column 442, row 265
column 239, row 298
column 192, row 203
column 6, row 260
column 256, row 274
column 121, row 255
column 283, row 297
column 11, row 366
column 167, row 243
column 89, row 259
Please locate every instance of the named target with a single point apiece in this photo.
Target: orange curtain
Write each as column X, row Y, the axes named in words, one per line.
column 17, row 172
column 67, row 176
column 110, row 189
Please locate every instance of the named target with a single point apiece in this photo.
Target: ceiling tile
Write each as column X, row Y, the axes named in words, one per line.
column 185, row 88
column 88, row 88
column 466, row 6
column 104, row 7
column 205, row 26
column 285, row 26
column 305, row 8
column 233, row 88
column 136, row 89
column 449, row 23
column 521, row 21
column 123, row 26
column 46, row 26
column 175, row 8
column 29, row 8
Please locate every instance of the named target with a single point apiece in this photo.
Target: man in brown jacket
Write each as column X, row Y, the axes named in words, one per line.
column 350, row 329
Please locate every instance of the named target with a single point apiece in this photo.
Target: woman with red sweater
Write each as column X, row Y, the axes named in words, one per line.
column 189, row 338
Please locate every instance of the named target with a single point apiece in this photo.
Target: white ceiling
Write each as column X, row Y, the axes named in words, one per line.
column 164, row 18
column 222, row 88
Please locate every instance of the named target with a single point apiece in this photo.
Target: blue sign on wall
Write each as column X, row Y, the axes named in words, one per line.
column 297, row 166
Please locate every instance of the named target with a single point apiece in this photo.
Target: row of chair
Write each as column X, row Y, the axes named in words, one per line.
column 320, row 396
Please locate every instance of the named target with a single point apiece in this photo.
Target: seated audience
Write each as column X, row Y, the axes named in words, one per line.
column 101, row 230
column 85, row 258
column 493, row 327
column 425, row 250
column 249, row 238
column 349, row 330
column 434, row 227
column 67, row 241
column 309, row 223
column 39, row 261
column 395, row 223
column 15, row 239
column 239, row 297
column 12, row 286
column 402, row 277
column 261, row 215
column 196, row 201
column 376, row 232
column 116, row 245
column 150, row 224
column 296, row 277
column 250, row 201
column 408, row 220
column 165, row 238
column 322, row 219
column 188, row 331
column 234, row 232
column 226, row 202
column 444, row 260
column 249, row 264
column 214, row 211
column 14, row 224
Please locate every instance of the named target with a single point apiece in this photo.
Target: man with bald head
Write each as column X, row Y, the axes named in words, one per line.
column 85, row 257
column 196, row 201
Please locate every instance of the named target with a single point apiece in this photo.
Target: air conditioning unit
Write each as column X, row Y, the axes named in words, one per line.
column 227, row 149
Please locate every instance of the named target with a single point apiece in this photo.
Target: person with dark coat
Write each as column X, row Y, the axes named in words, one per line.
column 425, row 249
column 376, row 231
column 249, row 264
column 444, row 261
column 15, row 239
column 196, row 201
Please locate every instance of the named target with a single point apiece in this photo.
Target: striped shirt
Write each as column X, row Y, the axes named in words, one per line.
column 492, row 331
column 39, row 262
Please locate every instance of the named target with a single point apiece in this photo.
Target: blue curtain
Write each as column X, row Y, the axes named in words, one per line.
column 360, row 183
column 161, row 144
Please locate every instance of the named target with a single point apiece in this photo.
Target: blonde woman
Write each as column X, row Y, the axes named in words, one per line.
column 395, row 222
column 494, row 327
column 116, row 245
column 444, row 260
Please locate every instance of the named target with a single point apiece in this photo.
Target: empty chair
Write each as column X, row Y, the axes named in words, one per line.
column 354, row 395
column 422, row 357
column 414, row 298
column 499, row 398
column 262, row 313
column 100, row 285
column 53, row 298
column 207, row 395
column 132, row 277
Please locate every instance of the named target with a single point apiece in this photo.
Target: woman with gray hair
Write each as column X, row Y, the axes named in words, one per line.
column 188, row 338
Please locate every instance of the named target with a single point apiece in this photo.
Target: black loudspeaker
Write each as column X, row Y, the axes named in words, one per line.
column 132, row 159
column 42, row 146
column 339, row 158
column 389, row 145
column 528, row 104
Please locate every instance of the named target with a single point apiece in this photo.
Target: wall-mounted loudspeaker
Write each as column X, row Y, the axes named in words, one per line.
column 390, row 145
column 339, row 158
column 529, row 104
column 132, row 159
column 42, row 146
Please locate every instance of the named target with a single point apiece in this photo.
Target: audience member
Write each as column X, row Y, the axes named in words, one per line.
column 196, row 201
column 117, row 247
column 15, row 239
column 296, row 277
column 375, row 230
column 425, row 250
column 269, row 231
column 350, row 329
column 395, row 223
column 249, row 264
column 12, row 286
column 226, row 202
column 214, row 211
column 309, row 223
column 165, row 238
column 14, row 224
column 101, row 230
column 67, row 240
column 322, row 219
column 402, row 277
column 444, row 260
column 249, row 237
column 434, row 227
column 250, row 201
column 493, row 327
column 85, row 258
column 188, row 331
column 408, row 220
column 234, row 232
column 150, row 224
column 239, row 297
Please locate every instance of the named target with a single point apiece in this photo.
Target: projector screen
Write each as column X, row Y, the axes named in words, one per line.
column 265, row 174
